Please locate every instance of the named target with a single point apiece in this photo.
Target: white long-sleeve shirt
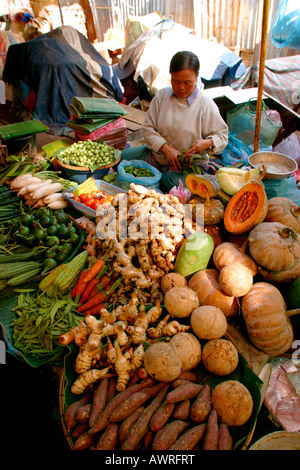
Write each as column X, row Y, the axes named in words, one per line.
column 174, row 121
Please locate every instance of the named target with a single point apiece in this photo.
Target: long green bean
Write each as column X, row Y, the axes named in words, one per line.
column 41, row 320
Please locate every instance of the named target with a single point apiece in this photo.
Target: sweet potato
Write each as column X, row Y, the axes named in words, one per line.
column 79, row 429
column 183, row 392
column 128, row 423
column 140, row 427
column 128, row 406
column 225, row 439
column 189, row 438
column 148, row 438
column 167, row 435
column 161, row 416
column 153, row 391
column 109, row 438
column 99, row 400
column 84, row 441
column 111, row 389
column 134, row 379
column 178, row 382
column 187, row 375
column 201, row 407
column 69, row 417
column 103, row 419
column 210, row 441
column 83, row 413
column 182, row 409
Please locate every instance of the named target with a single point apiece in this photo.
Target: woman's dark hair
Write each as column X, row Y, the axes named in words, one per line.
column 184, row 60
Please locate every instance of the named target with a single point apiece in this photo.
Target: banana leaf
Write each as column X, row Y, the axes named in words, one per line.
column 22, row 129
column 101, row 106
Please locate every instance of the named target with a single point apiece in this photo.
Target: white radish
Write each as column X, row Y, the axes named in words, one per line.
column 58, row 205
column 25, row 182
column 45, row 190
column 31, row 187
column 17, row 179
column 53, row 197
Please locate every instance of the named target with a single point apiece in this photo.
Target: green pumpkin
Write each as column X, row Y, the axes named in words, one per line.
column 194, row 254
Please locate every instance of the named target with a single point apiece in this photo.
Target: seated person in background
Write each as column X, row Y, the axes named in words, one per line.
column 182, row 118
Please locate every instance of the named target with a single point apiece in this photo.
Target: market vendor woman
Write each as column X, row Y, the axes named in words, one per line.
column 182, row 118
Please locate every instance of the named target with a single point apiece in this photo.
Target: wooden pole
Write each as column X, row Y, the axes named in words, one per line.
column 262, row 59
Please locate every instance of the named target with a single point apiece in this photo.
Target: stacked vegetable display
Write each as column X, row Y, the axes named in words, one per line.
column 140, row 323
column 172, row 408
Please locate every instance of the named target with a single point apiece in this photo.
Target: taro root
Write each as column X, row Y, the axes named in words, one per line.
column 232, row 402
column 208, row 322
column 236, row 279
column 181, row 301
column 220, row 357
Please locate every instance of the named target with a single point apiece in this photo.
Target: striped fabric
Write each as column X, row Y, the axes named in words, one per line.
column 6, row 39
column 281, row 80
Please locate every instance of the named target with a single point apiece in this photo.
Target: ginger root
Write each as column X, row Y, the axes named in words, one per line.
column 167, row 329
column 122, row 368
column 86, row 379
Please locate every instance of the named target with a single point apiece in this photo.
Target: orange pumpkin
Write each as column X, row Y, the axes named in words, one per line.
column 267, row 322
column 206, row 285
column 285, row 211
column 246, row 209
column 276, row 249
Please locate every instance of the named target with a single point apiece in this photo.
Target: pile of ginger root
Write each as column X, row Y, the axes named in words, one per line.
column 140, row 233
column 114, row 344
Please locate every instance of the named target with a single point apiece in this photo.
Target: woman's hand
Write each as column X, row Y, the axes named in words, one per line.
column 199, row 146
column 171, row 155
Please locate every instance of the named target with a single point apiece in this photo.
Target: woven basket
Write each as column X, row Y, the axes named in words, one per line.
column 60, row 165
column 279, row 440
column 62, row 407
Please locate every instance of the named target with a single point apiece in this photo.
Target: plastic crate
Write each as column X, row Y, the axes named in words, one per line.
column 108, row 188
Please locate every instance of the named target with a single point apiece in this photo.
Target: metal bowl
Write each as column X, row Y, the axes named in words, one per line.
column 278, row 166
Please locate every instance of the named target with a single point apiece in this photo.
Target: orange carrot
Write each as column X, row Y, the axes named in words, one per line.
column 80, row 285
column 99, row 298
column 89, row 287
column 94, row 270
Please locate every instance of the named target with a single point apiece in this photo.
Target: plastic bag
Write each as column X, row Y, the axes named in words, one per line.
column 124, row 179
column 281, row 398
column 286, row 188
column 235, row 152
column 181, row 192
column 286, row 27
column 242, row 123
